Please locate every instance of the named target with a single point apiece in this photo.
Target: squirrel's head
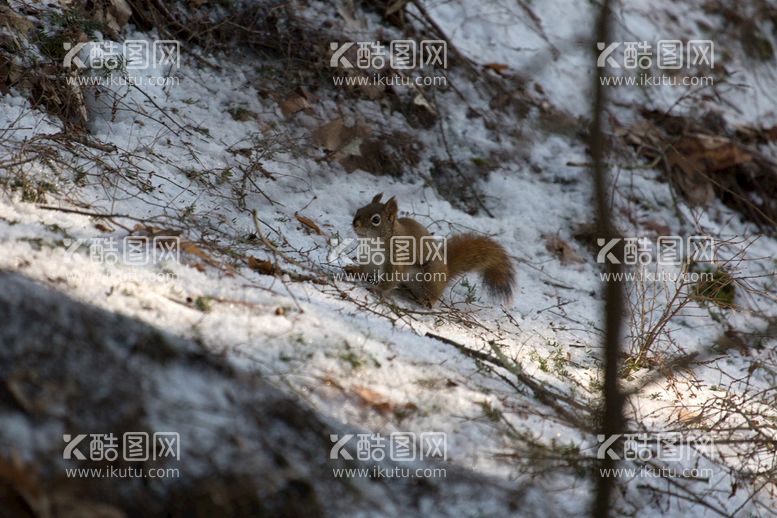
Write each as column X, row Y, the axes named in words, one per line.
column 376, row 219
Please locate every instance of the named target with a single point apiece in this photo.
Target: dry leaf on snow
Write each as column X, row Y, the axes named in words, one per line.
column 309, row 223
column 261, row 265
column 380, row 402
column 496, row 67
column 561, row 249
column 335, row 135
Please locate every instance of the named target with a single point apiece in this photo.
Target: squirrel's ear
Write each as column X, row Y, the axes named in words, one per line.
column 391, row 208
column 377, row 198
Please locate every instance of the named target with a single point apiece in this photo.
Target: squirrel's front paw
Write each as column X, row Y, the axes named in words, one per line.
column 426, row 302
column 422, row 300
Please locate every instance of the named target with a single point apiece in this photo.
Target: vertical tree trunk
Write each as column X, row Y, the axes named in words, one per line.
column 612, row 420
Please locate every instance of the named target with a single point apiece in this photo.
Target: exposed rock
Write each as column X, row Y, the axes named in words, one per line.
column 246, row 448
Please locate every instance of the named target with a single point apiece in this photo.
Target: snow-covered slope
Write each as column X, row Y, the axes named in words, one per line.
column 226, row 160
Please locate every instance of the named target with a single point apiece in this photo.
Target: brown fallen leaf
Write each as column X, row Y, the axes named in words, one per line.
column 562, row 250
column 309, row 223
column 704, row 158
column 191, row 248
column 382, row 404
column 688, row 416
column 496, row 67
column 261, row 265
column 692, row 159
column 256, row 166
column 335, row 135
column 291, row 105
column 706, row 153
column 373, row 399
column 372, row 156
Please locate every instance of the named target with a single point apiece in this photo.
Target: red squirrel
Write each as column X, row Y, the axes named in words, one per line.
column 427, row 274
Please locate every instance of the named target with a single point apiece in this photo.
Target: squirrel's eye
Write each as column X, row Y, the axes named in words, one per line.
column 375, row 219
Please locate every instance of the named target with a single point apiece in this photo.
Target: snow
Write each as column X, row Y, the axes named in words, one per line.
column 332, row 339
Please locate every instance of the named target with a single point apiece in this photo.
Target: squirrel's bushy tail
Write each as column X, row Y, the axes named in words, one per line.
column 473, row 252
